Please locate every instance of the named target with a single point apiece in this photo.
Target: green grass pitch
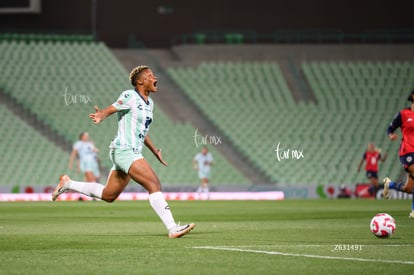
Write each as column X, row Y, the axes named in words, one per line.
column 231, row 237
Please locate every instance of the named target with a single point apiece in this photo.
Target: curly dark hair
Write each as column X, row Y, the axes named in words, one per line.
column 135, row 73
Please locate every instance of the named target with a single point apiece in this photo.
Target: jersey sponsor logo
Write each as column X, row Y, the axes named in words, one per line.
column 141, row 107
column 409, row 119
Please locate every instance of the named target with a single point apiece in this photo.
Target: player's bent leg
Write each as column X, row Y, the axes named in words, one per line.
column 115, row 184
column 90, row 189
column 141, row 172
column 399, row 186
column 409, row 188
column 409, row 184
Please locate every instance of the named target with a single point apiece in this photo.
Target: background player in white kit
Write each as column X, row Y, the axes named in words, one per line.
column 134, row 108
column 85, row 149
column 202, row 163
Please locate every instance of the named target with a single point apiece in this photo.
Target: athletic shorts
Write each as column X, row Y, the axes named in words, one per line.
column 122, row 159
column 407, row 160
column 204, row 174
column 372, row 174
column 90, row 166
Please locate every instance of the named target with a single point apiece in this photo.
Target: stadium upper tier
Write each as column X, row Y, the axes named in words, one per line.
column 319, row 141
column 60, row 83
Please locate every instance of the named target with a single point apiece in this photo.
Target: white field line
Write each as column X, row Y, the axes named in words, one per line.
column 323, row 245
column 303, row 255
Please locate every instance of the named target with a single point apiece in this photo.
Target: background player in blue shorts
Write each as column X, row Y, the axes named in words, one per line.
column 202, row 163
column 372, row 156
column 87, row 153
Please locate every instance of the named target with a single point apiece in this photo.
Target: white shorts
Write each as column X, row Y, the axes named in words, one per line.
column 123, row 158
column 204, row 174
column 90, row 166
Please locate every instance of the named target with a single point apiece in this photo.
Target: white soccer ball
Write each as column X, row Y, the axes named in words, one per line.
column 383, row 225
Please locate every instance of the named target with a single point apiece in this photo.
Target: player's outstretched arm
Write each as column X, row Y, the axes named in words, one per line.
column 100, row 115
column 154, row 150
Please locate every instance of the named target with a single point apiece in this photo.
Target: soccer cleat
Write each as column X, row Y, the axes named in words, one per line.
column 181, row 230
column 411, row 215
column 386, row 192
column 61, row 187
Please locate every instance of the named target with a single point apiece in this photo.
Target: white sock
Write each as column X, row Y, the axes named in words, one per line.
column 91, row 189
column 160, row 206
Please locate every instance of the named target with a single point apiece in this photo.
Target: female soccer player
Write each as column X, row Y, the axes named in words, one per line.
column 371, row 157
column 88, row 157
column 405, row 120
column 134, row 108
column 202, row 163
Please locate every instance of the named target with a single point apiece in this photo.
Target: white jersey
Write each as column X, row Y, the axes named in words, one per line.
column 86, row 150
column 204, row 162
column 134, row 119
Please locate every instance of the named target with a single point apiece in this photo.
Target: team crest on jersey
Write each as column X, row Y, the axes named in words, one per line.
column 409, row 119
column 409, row 159
column 120, row 102
column 139, row 107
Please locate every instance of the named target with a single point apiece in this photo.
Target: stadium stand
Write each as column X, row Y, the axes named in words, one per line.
column 253, row 105
column 348, row 104
column 27, row 156
column 59, row 83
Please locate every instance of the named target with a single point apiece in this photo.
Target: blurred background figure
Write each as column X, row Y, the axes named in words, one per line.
column 202, row 163
column 372, row 156
column 84, row 149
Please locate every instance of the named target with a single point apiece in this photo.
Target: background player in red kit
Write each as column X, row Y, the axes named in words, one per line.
column 371, row 157
column 404, row 120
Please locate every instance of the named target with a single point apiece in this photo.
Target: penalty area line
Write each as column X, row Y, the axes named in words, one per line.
column 303, row 255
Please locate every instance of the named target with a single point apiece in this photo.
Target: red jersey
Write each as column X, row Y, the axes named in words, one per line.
column 371, row 160
column 405, row 120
